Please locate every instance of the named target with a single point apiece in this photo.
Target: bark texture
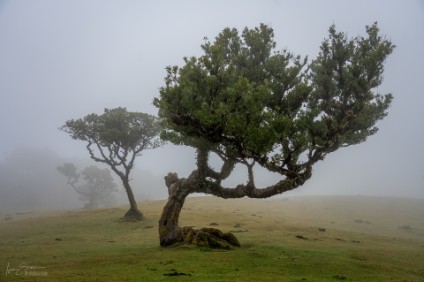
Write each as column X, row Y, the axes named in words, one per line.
column 169, row 231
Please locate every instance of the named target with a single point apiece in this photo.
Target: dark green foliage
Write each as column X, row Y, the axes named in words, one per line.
column 246, row 100
column 117, row 131
column 345, row 76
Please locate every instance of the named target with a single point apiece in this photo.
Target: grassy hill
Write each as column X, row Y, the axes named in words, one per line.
column 290, row 239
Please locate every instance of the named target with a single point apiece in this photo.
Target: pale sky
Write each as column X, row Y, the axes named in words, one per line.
column 64, row 59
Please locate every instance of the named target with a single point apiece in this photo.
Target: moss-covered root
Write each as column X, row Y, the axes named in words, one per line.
column 209, row 237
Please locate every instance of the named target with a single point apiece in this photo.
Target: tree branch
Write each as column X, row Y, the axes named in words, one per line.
column 240, row 191
column 105, row 160
column 251, row 182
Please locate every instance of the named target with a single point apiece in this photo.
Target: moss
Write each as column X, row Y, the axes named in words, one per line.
column 210, row 238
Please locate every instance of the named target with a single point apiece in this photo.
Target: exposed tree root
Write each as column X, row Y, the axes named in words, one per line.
column 209, row 237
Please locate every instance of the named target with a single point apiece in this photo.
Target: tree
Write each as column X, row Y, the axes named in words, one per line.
column 116, row 138
column 26, row 178
column 98, row 186
column 249, row 103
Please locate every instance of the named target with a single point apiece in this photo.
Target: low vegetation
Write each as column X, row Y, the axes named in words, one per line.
column 291, row 239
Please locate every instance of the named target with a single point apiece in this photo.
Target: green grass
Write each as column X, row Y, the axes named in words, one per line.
column 365, row 239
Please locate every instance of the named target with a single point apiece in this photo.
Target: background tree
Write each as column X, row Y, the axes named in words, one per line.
column 251, row 104
column 116, row 138
column 98, row 186
column 28, row 181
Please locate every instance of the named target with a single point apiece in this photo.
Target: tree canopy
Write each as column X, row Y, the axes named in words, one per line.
column 245, row 100
column 115, row 137
column 249, row 103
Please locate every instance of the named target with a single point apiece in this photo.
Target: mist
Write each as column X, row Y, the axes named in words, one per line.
column 62, row 60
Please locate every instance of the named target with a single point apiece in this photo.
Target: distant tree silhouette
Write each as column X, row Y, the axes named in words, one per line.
column 96, row 188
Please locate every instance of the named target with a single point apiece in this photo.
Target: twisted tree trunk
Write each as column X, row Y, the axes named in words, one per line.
column 170, row 233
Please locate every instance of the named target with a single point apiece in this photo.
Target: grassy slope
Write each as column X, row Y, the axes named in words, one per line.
column 365, row 239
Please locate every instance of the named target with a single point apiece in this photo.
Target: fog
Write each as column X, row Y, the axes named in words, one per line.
column 64, row 59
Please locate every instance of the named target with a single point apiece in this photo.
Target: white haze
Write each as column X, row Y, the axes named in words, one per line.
column 64, row 59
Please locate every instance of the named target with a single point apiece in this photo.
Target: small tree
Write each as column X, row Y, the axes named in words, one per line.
column 98, row 186
column 250, row 104
column 116, row 138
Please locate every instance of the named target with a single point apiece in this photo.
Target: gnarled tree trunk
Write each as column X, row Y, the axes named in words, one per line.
column 170, row 233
